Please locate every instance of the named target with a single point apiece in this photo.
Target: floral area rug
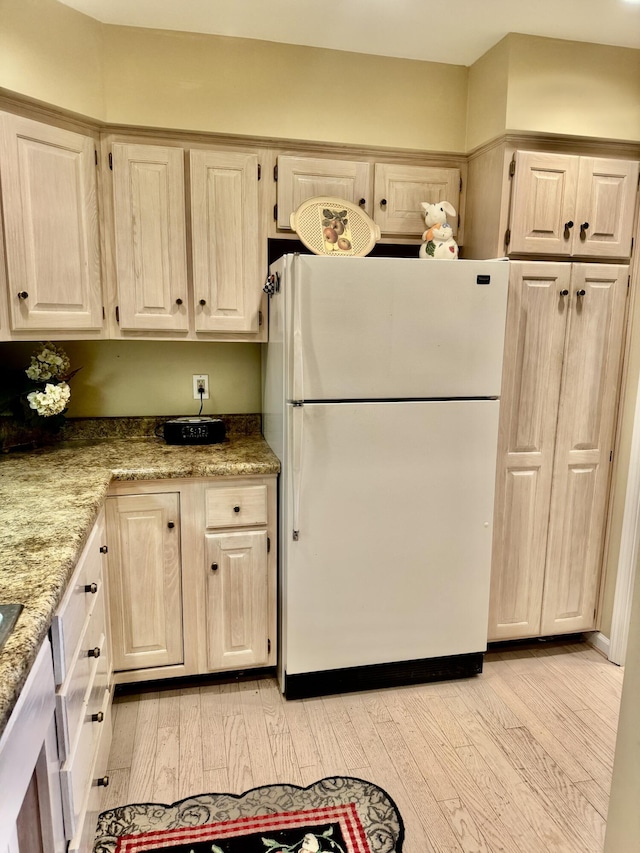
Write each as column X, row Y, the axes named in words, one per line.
column 340, row 814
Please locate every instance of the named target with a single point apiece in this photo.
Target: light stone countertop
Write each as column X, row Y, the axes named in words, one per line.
column 49, row 500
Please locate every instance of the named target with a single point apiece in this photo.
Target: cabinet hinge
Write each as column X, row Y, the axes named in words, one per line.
column 104, row 314
column 275, row 173
column 611, row 456
column 111, row 161
column 268, row 646
column 460, row 184
column 259, row 171
column 118, row 314
column 512, row 168
column 95, row 151
column 275, row 212
column 268, row 544
column 507, row 236
column 259, row 318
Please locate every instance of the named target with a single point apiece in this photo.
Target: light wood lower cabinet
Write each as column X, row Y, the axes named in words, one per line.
column 192, row 576
column 559, row 393
column 145, row 580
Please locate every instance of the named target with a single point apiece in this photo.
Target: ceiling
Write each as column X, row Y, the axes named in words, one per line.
column 457, row 31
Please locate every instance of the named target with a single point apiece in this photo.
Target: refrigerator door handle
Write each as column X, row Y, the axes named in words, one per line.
column 298, row 359
column 297, row 440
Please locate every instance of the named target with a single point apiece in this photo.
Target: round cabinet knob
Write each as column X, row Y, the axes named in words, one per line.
column 236, row 509
column 23, row 294
column 383, row 202
column 214, row 567
column 171, row 525
column 94, row 653
column 203, row 302
column 178, row 301
column 102, row 782
column 581, row 292
column 97, row 718
column 362, row 202
column 564, row 292
column 91, row 587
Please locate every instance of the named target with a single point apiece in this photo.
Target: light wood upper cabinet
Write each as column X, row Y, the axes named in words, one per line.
column 302, row 178
column 560, row 383
column 145, row 580
column 568, row 205
column 50, row 213
column 399, row 191
column 150, row 237
column 225, row 241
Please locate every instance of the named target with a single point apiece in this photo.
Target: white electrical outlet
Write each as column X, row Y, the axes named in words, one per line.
column 200, row 383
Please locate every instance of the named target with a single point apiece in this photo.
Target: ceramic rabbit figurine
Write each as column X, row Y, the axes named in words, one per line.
column 437, row 240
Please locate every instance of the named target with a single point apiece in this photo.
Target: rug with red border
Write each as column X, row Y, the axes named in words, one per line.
column 340, row 814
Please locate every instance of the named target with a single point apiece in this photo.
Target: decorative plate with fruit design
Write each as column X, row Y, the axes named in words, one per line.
column 333, row 226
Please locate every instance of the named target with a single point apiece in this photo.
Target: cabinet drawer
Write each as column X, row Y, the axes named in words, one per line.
column 76, row 697
column 236, row 506
column 68, row 623
column 76, row 772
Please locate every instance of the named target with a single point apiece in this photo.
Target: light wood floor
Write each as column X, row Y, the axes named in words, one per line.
column 518, row 759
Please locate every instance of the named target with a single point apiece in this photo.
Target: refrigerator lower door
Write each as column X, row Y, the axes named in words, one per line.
column 392, row 507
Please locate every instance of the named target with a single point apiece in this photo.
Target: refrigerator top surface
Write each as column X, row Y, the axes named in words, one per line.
column 392, row 328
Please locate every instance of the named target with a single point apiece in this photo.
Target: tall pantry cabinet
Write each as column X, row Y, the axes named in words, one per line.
column 567, row 222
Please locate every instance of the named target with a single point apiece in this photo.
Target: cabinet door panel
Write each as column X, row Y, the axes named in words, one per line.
column 584, row 439
column 302, row 178
column 236, row 599
column 605, row 206
column 150, row 237
column 544, row 194
column 403, row 188
column 145, row 590
column 536, row 318
column 51, row 226
column 226, row 252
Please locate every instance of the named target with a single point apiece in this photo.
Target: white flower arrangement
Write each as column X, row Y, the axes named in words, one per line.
column 50, row 363
column 52, row 401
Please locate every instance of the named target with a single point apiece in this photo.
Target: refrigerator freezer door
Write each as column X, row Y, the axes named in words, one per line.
column 394, row 328
column 393, row 503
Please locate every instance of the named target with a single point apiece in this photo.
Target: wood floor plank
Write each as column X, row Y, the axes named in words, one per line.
column 285, row 761
column 169, row 708
column 117, row 791
column 230, row 699
column 327, row 744
column 263, row 768
column 597, row 796
column 190, row 778
column 211, row 709
column 237, row 752
column 345, row 733
column 216, row 781
column 141, row 780
column 124, row 732
column 165, row 788
column 295, row 712
column 464, row 827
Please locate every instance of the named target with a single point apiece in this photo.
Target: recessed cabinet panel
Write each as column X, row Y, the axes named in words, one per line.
column 225, row 233
column 236, row 596
column 145, row 580
column 544, row 191
column 150, row 237
column 605, row 207
column 534, row 344
column 399, row 191
column 50, row 213
column 302, row 178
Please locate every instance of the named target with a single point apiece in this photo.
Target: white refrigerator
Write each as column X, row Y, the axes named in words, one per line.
column 381, row 386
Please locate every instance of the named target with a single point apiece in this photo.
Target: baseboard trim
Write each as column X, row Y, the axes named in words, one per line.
column 324, row 682
column 599, row 642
